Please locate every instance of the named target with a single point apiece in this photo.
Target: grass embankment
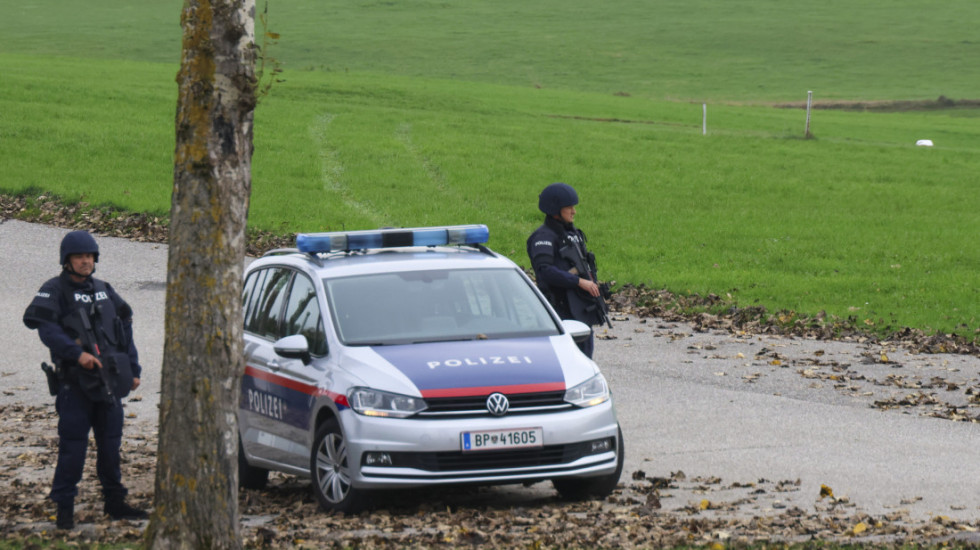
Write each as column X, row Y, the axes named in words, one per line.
column 857, row 222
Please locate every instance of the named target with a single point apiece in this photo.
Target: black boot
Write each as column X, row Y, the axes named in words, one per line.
column 118, row 509
column 66, row 515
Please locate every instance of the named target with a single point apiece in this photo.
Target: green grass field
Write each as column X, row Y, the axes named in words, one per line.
column 398, row 113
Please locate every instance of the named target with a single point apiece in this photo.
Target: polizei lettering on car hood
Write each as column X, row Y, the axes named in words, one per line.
column 509, row 366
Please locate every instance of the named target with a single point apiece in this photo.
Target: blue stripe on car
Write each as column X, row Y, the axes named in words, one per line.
column 478, row 367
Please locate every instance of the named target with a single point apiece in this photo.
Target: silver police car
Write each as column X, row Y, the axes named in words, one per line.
column 404, row 358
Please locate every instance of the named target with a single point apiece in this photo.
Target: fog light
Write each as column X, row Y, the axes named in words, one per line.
column 377, row 459
column 602, row 445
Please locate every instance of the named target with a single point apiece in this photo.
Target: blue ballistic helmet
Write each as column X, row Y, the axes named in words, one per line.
column 555, row 197
column 78, row 242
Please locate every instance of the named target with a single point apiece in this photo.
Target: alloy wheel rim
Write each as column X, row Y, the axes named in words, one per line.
column 331, row 465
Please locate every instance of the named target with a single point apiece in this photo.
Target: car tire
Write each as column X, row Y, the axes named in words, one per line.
column 330, row 471
column 581, row 488
column 250, row 477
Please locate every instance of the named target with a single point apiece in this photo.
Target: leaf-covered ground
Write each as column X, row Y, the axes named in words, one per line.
column 285, row 515
column 647, row 510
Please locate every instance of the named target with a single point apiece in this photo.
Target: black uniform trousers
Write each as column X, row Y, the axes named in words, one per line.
column 77, row 416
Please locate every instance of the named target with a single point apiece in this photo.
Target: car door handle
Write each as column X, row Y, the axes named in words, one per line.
column 274, row 365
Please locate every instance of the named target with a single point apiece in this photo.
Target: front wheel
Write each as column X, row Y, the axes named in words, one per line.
column 579, row 488
column 331, row 471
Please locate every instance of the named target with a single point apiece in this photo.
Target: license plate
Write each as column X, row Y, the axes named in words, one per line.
column 492, row 440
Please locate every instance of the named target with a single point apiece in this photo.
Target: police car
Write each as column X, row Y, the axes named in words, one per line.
column 402, row 358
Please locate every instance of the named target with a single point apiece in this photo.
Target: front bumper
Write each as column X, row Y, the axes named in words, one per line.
column 578, row 442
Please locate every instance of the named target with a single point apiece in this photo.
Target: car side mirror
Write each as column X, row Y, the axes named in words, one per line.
column 580, row 331
column 294, row 347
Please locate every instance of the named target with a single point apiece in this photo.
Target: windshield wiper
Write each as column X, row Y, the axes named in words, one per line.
column 452, row 339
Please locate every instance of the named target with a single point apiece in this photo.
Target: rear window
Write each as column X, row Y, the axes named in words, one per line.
column 436, row 305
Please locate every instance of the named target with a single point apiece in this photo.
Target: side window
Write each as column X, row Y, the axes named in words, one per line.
column 253, row 288
column 248, row 291
column 271, row 294
column 303, row 315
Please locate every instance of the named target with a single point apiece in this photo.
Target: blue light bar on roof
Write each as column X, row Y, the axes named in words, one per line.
column 313, row 243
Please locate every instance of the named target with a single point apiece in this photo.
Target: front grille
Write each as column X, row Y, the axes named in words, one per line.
column 456, row 461
column 476, row 405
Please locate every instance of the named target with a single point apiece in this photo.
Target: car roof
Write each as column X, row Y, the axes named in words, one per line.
column 321, row 257
column 388, row 260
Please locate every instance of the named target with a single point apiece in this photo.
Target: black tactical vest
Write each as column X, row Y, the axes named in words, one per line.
column 69, row 305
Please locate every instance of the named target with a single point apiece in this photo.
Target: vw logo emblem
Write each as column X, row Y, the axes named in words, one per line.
column 497, row 404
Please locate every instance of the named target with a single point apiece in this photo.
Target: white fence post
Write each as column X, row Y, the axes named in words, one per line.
column 809, row 104
column 704, row 119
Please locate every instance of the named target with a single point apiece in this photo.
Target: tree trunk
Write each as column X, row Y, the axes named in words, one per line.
column 196, row 500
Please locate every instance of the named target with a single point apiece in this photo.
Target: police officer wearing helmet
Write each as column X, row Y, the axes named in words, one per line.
column 89, row 381
column 574, row 295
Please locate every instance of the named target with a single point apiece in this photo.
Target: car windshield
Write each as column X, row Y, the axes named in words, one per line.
column 436, row 305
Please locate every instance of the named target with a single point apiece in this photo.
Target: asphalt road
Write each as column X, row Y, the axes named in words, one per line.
column 735, row 413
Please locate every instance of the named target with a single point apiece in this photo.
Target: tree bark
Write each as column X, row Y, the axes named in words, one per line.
column 196, row 498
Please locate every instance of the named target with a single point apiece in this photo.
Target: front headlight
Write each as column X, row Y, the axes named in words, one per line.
column 380, row 403
column 589, row 393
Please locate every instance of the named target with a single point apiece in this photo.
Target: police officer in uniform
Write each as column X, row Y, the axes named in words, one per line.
column 573, row 294
column 90, row 379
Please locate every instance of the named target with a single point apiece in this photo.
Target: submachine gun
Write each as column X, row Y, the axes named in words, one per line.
column 115, row 378
column 584, row 266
